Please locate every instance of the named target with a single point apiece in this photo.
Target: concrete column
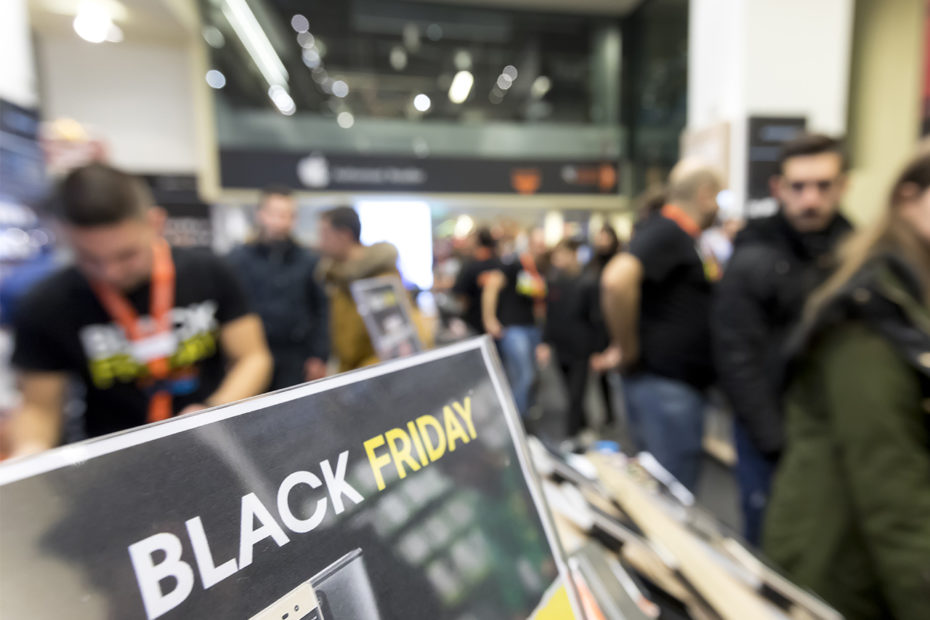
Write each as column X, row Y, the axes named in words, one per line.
column 767, row 58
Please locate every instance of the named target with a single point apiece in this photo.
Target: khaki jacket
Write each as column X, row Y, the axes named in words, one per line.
column 350, row 341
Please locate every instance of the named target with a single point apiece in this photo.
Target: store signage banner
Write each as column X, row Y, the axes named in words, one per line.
column 399, row 491
column 250, row 169
column 384, row 307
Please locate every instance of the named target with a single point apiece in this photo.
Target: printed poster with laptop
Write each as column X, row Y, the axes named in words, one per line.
column 361, row 497
column 383, row 304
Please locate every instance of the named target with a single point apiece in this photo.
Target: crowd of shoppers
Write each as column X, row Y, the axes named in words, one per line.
column 818, row 336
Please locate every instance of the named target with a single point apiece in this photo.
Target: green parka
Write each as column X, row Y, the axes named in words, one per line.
column 850, row 510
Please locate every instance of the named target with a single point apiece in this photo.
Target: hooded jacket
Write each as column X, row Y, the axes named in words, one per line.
column 757, row 303
column 850, row 510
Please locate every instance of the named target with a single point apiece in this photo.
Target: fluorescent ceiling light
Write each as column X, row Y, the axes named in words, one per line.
column 461, row 86
column 256, row 42
column 282, row 100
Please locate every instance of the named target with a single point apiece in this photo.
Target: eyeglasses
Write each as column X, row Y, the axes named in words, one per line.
column 823, row 185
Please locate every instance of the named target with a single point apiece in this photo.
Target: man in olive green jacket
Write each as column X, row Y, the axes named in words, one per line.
column 850, row 513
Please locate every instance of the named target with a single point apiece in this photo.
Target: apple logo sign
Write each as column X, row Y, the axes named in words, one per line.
column 313, row 171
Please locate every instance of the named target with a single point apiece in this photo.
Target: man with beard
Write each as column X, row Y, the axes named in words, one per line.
column 777, row 262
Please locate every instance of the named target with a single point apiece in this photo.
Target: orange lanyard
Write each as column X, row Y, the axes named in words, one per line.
column 684, row 221
column 160, row 304
column 675, row 213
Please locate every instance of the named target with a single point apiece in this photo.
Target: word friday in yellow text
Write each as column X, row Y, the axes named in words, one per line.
column 424, row 441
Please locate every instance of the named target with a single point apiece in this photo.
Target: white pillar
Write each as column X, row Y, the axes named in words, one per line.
column 17, row 70
column 767, row 58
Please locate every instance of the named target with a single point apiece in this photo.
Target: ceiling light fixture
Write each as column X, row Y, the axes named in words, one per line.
column 398, row 58
column 305, row 40
column 311, row 58
column 260, row 49
column 340, row 89
column 461, row 86
column 300, row 23
column 422, row 102
column 216, row 79
column 92, row 22
column 541, row 86
column 345, row 120
column 282, row 100
column 115, row 35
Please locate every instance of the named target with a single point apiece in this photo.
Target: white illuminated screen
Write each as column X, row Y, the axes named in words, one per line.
column 408, row 225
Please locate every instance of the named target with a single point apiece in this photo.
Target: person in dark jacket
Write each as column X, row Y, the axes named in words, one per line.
column 566, row 331
column 606, row 245
column 777, row 262
column 850, row 509
column 278, row 275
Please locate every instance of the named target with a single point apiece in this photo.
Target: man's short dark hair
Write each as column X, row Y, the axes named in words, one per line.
column 275, row 190
column 485, row 238
column 345, row 218
column 100, row 195
column 811, row 144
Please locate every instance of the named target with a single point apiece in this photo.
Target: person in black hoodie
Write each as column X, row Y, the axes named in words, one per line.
column 777, row 262
column 278, row 275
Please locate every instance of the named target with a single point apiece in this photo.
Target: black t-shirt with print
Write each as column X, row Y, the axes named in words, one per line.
column 62, row 327
column 469, row 284
column 674, row 320
column 514, row 308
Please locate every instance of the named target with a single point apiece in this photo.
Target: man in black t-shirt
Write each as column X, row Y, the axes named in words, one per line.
column 657, row 305
column 474, row 275
column 507, row 311
column 151, row 332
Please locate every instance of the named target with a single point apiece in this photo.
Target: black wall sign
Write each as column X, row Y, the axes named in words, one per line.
column 766, row 135
column 398, row 491
column 313, row 171
column 22, row 162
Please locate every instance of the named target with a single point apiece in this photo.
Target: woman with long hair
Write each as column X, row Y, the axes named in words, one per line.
column 850, row 510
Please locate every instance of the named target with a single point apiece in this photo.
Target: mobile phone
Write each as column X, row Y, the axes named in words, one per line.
column 341, row 591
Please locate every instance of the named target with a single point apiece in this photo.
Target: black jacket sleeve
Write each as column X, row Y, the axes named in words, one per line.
column 318, row 339
column 741, row 339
